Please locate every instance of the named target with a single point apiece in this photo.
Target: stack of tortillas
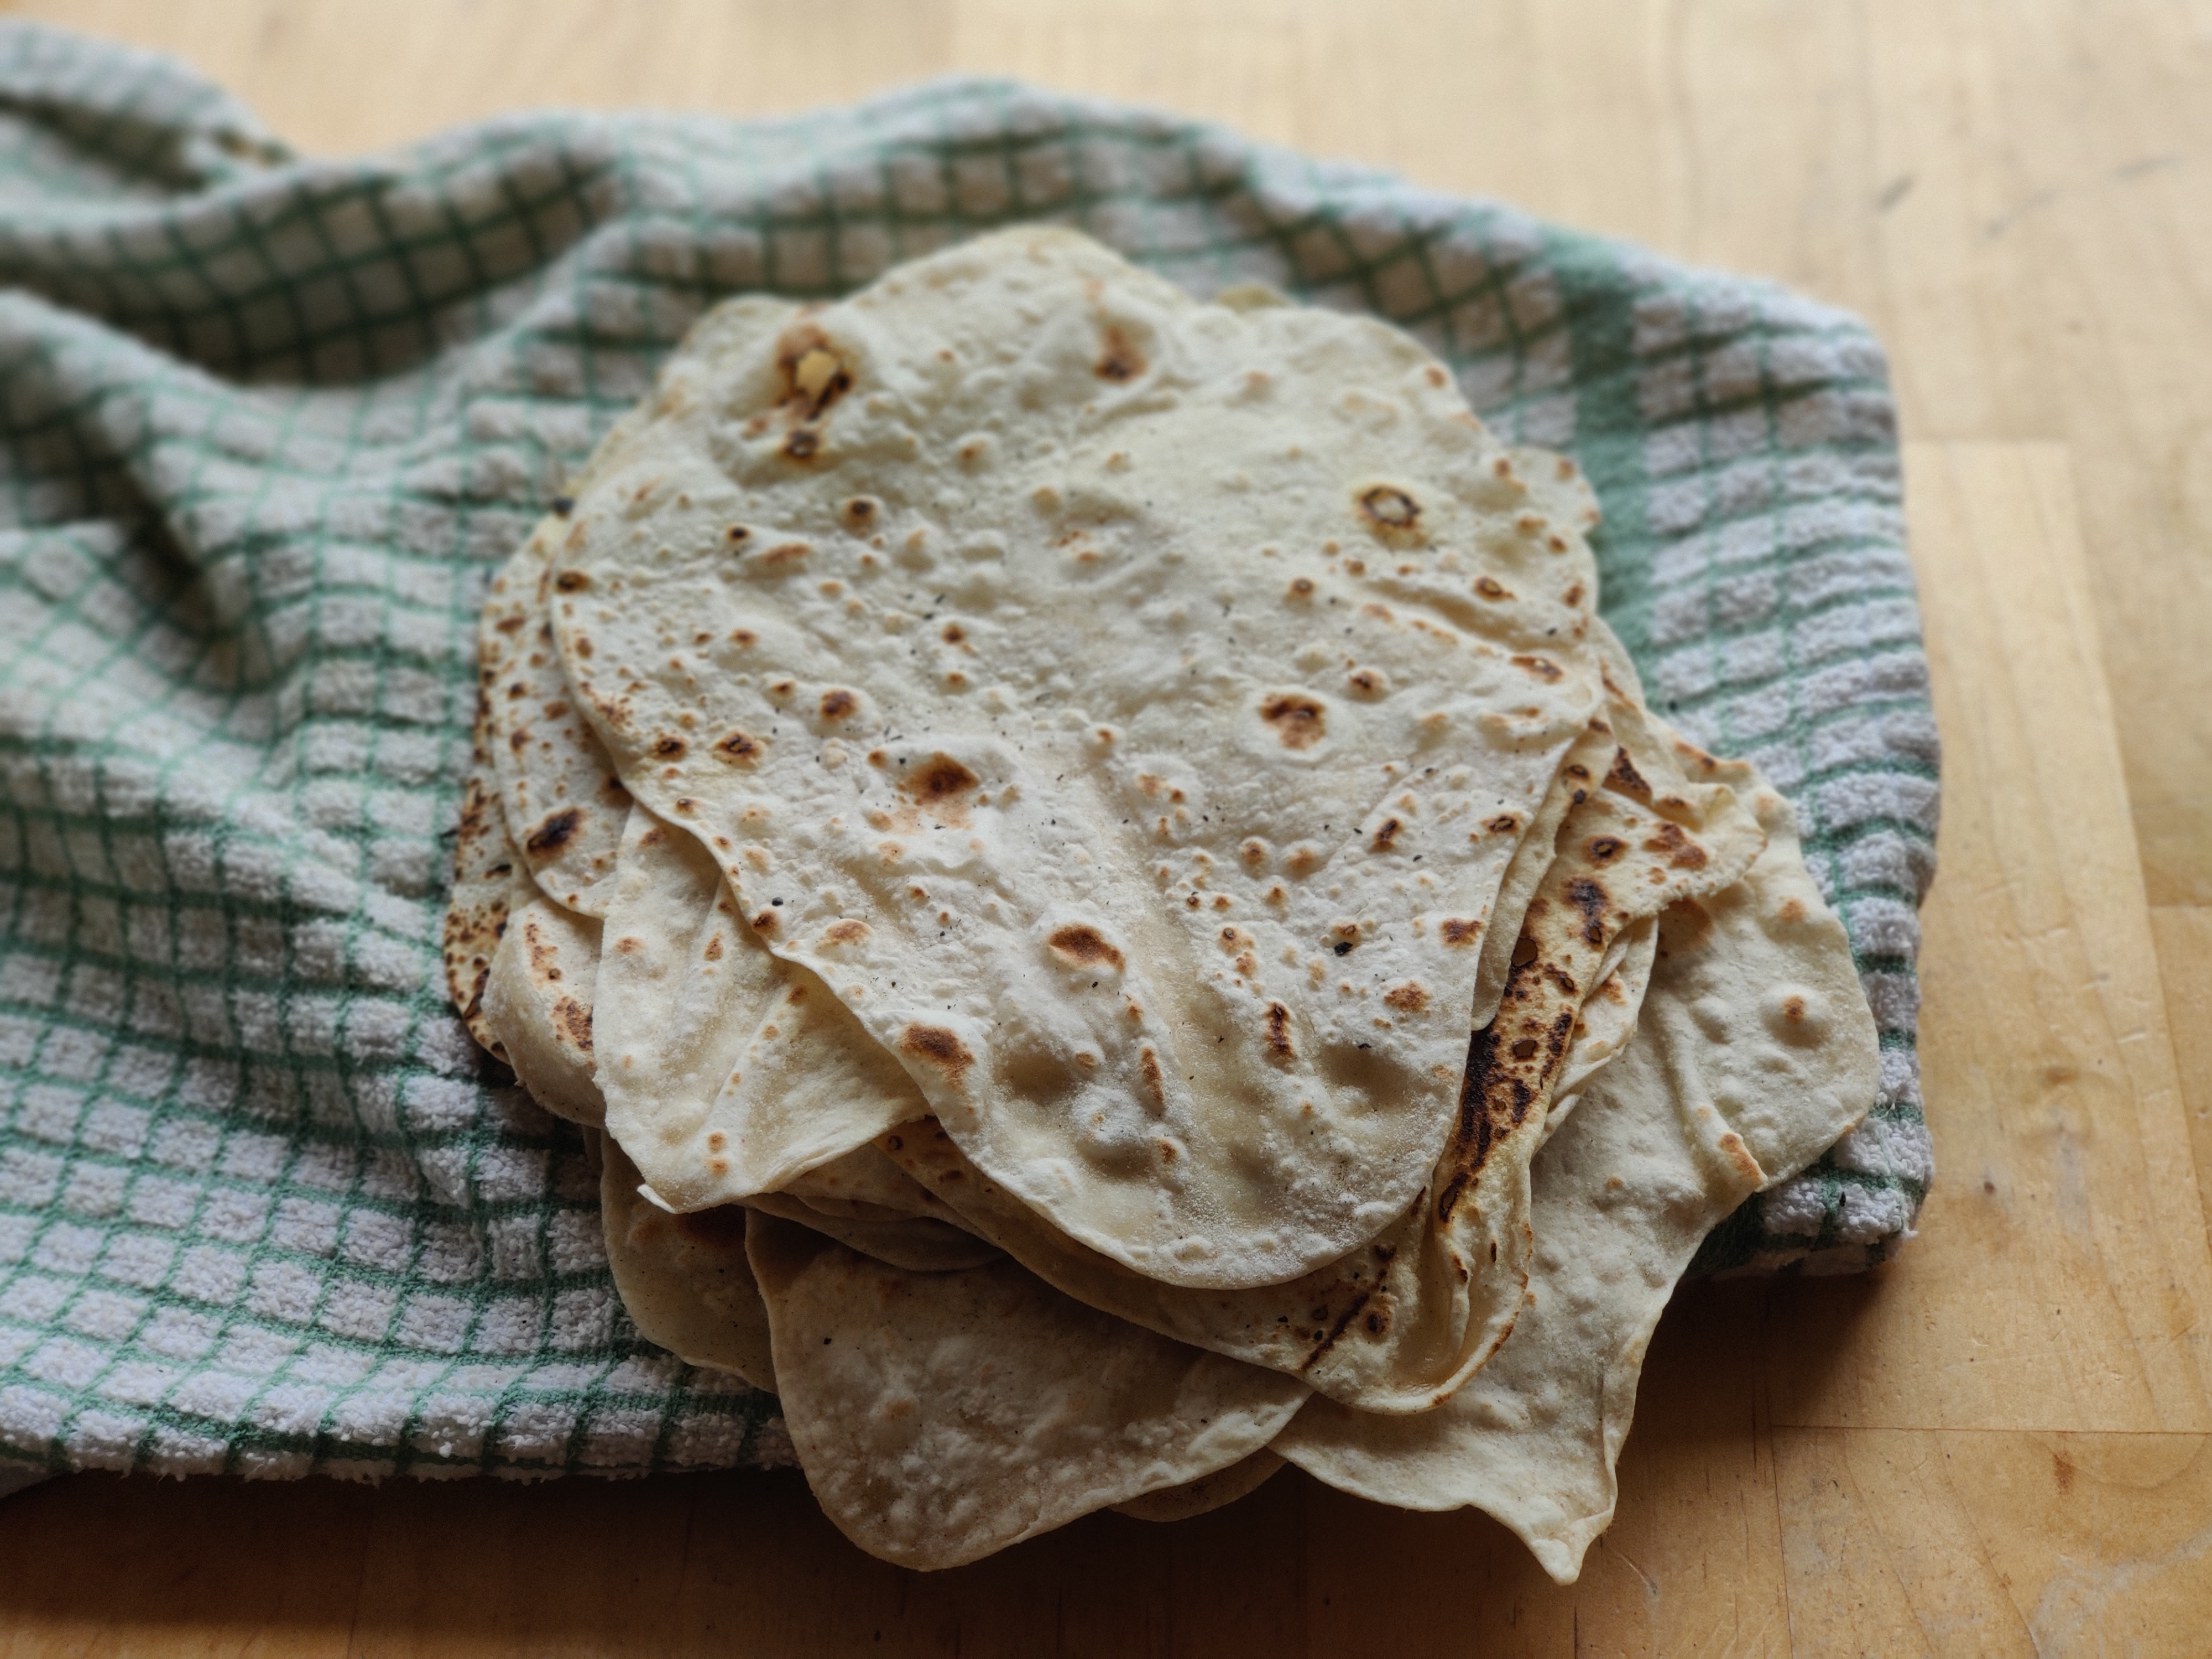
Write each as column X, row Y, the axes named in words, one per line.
column 1071, row 846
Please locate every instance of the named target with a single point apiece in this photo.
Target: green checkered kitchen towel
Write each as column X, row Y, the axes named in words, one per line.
column 266, row 425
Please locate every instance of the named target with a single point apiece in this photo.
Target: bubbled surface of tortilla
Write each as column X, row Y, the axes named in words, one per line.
column 1134, row 705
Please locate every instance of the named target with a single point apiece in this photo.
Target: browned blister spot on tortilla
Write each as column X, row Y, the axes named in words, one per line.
column 1627, row 780
column 1504, row 825
column 1681, row 852
column 1080, row 945
column 765, row 922
column 1739, row 1156
column 669, row 748
column 1385, row 833
column 1458, row 929
column 1604, row 849
column 1391, row 513
column 846, row 930
column 1278, row 1031
column 1298, row 719
column 1594, row 903
column 738, row 749
column 938, row 785
column 837, row 703
column 572, row 581
column 1542, row 667
column 1412, row 996
column 939, row 1048
column 1148, row 1066
column 1119, row 360
column 554, row 831
column 574, row 1021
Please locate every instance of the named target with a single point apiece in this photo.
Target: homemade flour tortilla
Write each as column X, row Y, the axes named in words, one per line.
column 1754, row 1052
column 940, row 1417
column 556, row 785
column 486, row 882
column 922, row 1244
column 1398, row 1324
column 537, row 1000
column 726, row 1071
column 1124, row 698
column 1207, row 1492
column 685, row 1279
column 1607, row 1019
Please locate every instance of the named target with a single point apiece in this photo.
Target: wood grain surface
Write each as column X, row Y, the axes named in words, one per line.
column 2001, row 1444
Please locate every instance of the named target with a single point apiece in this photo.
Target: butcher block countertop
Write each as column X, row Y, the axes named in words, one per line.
column 2000, row 1444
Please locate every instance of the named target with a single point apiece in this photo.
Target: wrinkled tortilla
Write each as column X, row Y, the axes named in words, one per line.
column 1207, row 1492
column 537, row 1000
column 1754, row 1052
column 726, row 1071
column 1133, row 703
column 486, row 882
column 1398, row 1324
column 685, row 1279
column 939, row 1417
column 922, row 1244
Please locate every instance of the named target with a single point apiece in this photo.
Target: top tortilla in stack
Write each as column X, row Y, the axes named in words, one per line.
column 1126, row 706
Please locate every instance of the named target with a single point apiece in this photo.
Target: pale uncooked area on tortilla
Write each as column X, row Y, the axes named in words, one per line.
column 1754, row 1052
column 537, row 1001
column 684, row 1280
column 726, row 1071
column 940, row 1417
column 1125, row 696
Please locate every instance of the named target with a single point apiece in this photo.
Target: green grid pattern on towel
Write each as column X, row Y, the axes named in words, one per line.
column 265, row 428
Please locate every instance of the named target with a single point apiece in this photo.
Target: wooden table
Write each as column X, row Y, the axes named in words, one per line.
column 2004, row 1441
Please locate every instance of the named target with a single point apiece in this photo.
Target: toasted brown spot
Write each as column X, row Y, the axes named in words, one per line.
column 1681, row 852
column 846, row 930
column 1253, row 851
column 952, row 633
column 1524, row 1048
column 1604, row 849
column 1524, row 951
column 1542, row 667
column 714, row 951
column 1491, row 588
column 1385, row 833
column 1412, row 996
column 1298, row 719
column 940, row 1048
column 1624, row 778
column 554, row 832
column 1118, row 357
column 1080, row 945
column 1278, row 1031
column 670, row 748
column 1737, row 1153
column 1389, row 508
column 1504, row 825
column 1593, row 901
column 1458, row 929
column 574, row 1021
column 571, row 581
column 1367, row 682
column 861, row 512
column 837, row 703
column 1302, row 586
column 1148, row 1067
column 1573, row 595
column 738, row 749
column 938, row 778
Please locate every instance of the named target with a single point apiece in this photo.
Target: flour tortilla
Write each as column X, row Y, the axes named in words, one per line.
column 1607, row 1019
column 538, row 998
column 1755, row 1051
column 563, row 800
column 1206, row 1493
column 726, row 1071
column 867, row 1185
column 922, row 1244
column 684, row 1280
column 940, row 1417
column 1101, row 679
column 556, row 785
column 1399, row 1324
column 486, row 882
